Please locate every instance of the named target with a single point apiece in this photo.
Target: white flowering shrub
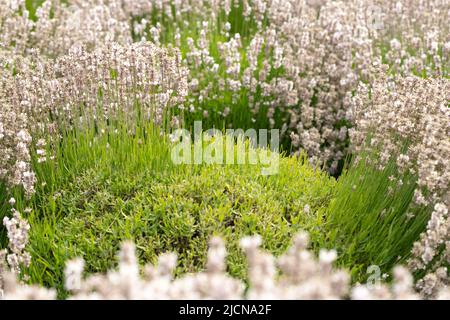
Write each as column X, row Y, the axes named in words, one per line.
column 47, row 97
column 15, row 256
column 406, row 120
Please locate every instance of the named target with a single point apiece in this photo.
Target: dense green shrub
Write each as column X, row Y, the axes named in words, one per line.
column 372, row 219
column 133, row 191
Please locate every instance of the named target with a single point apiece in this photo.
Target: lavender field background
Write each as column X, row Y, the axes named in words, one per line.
column 355, row 96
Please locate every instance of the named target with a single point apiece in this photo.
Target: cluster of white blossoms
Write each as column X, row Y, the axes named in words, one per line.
column 407, row 120
column 15, row 141
column 88, row 85
column 297, row 274
column 15, row 138
column 54, row 76
column 59, row 25
column 416, row 34
column 15, row 256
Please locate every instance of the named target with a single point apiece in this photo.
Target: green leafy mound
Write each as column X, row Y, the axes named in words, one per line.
column 163, row 207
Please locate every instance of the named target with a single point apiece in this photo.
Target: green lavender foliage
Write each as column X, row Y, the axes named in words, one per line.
column 372, row 219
